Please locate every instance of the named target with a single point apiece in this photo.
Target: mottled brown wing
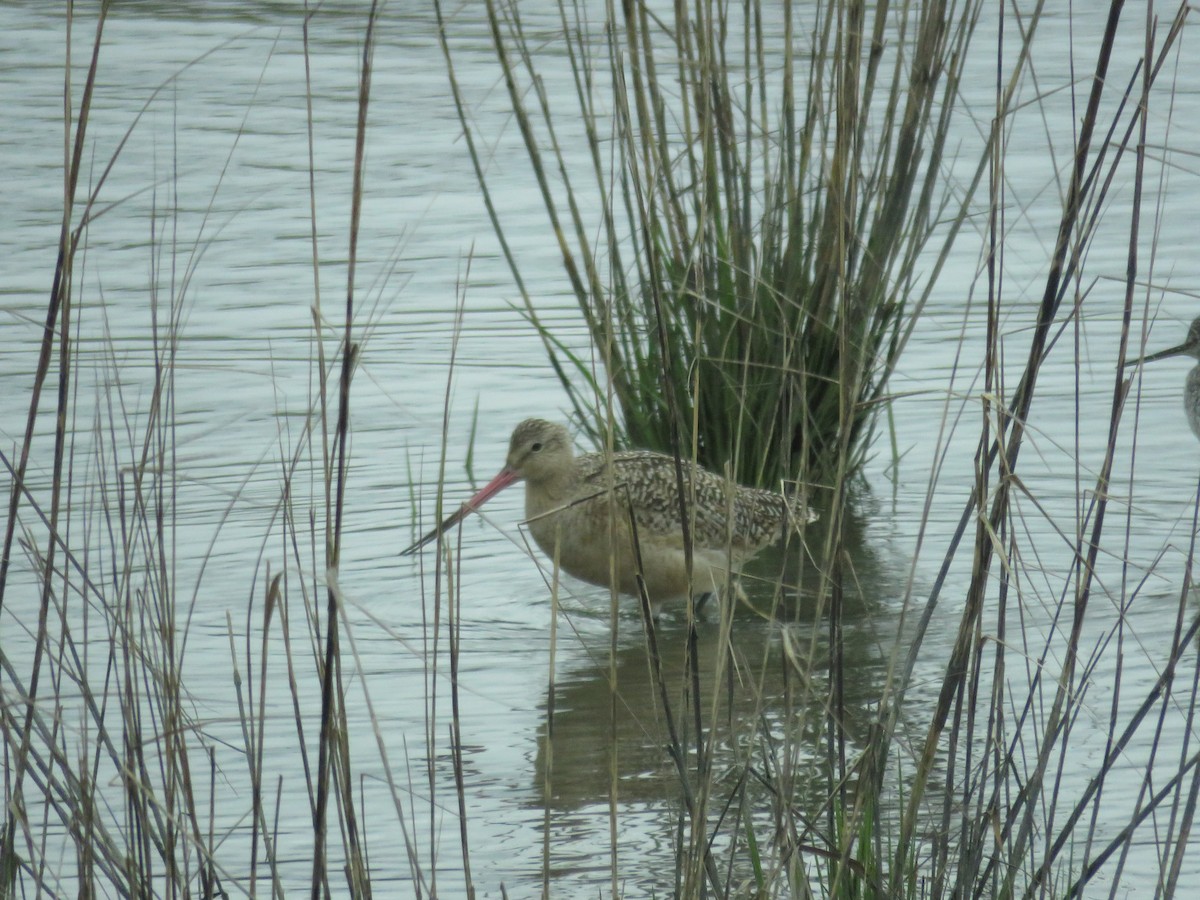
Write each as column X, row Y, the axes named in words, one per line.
column 648, row 482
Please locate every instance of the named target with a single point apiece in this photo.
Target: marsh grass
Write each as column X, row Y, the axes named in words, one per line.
column 746, row 263
column 105, row 752
column 793, row 764
column 745, row 214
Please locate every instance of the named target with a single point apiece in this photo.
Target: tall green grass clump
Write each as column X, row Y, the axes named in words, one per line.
column 742, row 232
column 747, row 257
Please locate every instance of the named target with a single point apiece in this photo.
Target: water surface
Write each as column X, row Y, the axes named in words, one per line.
column 206, row 223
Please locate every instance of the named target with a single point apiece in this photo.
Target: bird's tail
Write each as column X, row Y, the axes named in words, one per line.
column 795, row 502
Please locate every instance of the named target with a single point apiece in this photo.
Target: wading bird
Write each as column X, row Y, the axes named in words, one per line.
column 608, row 519
column 1191, row 388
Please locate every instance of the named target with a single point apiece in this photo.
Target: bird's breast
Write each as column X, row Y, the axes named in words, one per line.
column 589, row 536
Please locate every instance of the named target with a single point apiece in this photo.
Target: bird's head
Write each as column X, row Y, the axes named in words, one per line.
column 540, row 451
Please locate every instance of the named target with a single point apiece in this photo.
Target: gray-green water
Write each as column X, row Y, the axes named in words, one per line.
column 209, row 203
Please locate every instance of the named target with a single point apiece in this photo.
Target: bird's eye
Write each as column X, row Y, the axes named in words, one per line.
column 536, row 446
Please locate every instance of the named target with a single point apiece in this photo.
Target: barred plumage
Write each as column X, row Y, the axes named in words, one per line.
column 649, row 483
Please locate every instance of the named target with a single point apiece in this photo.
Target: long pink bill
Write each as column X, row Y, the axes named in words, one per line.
column 491, row 489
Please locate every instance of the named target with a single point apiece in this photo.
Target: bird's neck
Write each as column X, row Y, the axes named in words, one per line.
column 549, row 492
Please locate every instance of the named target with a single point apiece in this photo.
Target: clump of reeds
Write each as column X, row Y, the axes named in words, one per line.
column 742, row 234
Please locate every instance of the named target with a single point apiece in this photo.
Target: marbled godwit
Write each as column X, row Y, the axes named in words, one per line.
column 1191, row 389
column 578, row 511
